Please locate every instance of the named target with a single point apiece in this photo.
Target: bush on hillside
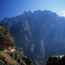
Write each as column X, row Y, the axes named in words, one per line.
column 6, row 39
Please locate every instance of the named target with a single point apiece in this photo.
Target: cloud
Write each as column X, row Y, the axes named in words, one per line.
column 63, row 13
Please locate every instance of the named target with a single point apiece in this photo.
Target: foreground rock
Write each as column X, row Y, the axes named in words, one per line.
column 8, row 53
column 56, row 60
column 14, row 58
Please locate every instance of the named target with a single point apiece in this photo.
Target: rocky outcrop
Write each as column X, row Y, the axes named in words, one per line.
column 20, row 58
column 8, row 53
column 56, row 60
column 14, row 58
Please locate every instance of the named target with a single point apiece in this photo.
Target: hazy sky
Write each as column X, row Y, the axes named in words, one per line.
column 9, row 8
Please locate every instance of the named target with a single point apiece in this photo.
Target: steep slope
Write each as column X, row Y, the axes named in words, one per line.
column 8, row 53
column 14, row 58
column 9, row 60
column 6, row 39
column 41, row 34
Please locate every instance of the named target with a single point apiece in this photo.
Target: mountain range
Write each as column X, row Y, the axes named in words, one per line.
column 41, row 34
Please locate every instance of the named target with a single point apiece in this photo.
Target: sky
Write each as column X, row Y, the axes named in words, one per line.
column 12, row 8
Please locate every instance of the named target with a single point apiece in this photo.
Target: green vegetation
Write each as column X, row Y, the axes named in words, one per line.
column 32, row 64
column 1, row 33
column 5, row 39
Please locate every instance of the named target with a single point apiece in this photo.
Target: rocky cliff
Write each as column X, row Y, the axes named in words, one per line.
column 56, row 60
column 8, row 53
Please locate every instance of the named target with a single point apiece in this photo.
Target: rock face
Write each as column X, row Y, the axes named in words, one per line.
column 8, row 53
column 56, row 60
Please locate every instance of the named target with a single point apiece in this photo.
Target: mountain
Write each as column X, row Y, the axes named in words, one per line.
column 8, row 53
column 41, row 34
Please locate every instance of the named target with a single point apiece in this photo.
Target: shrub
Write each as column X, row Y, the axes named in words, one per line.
column 1, row 33
column 6, row 39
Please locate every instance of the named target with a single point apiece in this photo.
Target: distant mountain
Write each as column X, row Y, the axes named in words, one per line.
column 41, row 34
